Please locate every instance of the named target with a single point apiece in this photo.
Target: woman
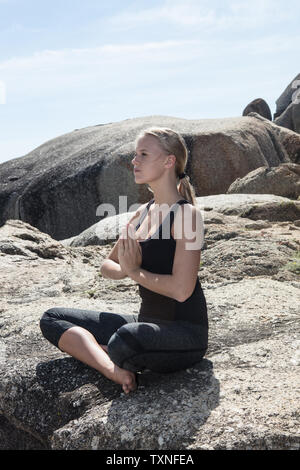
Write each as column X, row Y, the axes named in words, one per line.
column 171, row 331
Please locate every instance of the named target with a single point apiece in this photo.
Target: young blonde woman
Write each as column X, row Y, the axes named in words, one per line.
column 160, row 250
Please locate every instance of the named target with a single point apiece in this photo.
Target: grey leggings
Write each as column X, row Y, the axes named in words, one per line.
column 133, row 345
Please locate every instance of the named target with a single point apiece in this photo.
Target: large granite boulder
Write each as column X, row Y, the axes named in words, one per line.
column 259, row 106
column 282, row 180
column 288, row 106
column 59, row 186
column 286, row 97
column 243, row 395
column 290, row 118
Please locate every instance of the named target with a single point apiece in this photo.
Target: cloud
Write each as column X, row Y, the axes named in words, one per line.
column 210, row 15
column 99, row 68
column 177, row 12
column 150, row 67
column 171, row 51
column 17, row 28
column 108, row 52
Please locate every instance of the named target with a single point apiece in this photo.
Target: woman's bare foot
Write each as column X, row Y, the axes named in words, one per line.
column 124, row 377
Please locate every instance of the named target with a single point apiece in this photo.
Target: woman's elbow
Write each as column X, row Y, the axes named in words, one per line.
column 103, row 269
column 112, row 270
column 183, row 293
column 181, row 297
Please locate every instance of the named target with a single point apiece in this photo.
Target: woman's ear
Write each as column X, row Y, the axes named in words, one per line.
column 171, row 160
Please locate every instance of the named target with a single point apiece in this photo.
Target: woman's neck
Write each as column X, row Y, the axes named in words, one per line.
column 166, row 197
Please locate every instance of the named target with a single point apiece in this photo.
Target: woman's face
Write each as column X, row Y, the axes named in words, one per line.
column 149, row 160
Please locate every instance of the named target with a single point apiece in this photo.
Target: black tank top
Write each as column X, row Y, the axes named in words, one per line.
column 157, row 257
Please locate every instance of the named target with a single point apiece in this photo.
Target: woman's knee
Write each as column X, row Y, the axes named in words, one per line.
column 47, row 316
column 124, row 348
column 51, row 314
column 49, row 325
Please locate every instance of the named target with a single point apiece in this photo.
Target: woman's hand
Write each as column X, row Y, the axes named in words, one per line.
column 129, row 253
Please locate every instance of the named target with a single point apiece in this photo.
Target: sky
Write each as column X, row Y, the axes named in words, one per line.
column 70, row 64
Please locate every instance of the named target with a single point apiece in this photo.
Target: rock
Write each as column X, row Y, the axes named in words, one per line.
column 59, row 186
column 20, row 238
column 253, row 206
column 282, row 180
column 286, row 97
column 258, row 106
column 243, row 395
column 259, row 224
column 287, row 138
column 101, row 233
column 290, row 118
column 288, row 106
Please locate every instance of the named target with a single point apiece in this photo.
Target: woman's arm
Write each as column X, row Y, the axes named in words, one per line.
column 164, row 284
column 112, row 270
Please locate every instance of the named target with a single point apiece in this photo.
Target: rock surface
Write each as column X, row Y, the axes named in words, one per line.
column 286, row 96
column 290, row 118
column 258, row 106
column 282, row 180
column 288, row 106
column 101, row 233
column 243, row 395
column 59, row 186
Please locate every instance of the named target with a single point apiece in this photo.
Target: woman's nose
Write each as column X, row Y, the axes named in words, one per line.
column 134, row 160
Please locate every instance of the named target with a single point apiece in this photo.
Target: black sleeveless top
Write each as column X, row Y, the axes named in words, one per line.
column 157, row 257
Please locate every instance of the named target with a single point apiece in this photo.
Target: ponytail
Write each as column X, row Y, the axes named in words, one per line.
column 187, row 190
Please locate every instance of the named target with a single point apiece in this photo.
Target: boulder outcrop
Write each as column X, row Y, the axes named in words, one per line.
column 282, row 180
column 59, row 186
column 259, row 106
column 286, row 97
column 288, row 106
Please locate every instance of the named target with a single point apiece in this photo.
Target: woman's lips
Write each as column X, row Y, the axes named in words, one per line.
column 136, row 171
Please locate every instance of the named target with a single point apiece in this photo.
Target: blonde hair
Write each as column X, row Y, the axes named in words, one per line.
column 173, row 144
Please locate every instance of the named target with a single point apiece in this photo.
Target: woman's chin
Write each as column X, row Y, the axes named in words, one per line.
column 138, row 178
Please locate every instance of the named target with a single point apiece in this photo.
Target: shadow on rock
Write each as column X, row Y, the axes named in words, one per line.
column 67, row 375
column 166, row 412
column 64, row 404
